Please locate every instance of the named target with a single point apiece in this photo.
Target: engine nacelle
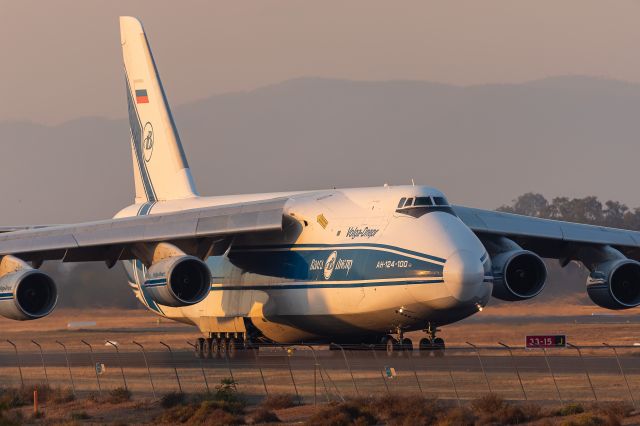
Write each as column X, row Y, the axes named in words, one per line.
column 518, row 275
column 27, row 294
column 615, row 284
column 178, row 281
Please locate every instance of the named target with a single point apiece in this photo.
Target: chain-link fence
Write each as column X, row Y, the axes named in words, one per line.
column 316, row 374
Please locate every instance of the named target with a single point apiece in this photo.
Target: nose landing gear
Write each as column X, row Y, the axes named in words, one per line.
column 432, row 344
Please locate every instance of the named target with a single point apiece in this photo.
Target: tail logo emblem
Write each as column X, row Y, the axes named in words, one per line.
column 148, row 141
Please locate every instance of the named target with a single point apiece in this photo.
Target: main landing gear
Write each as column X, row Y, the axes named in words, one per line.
column 432, row 344
column 219, row 347
column 399, row 345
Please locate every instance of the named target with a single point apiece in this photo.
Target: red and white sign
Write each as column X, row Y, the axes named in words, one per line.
column 546, row 341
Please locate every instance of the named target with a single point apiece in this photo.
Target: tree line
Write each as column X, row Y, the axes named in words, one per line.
column 582, row 210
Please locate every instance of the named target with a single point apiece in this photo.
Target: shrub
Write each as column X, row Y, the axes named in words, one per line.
column 570, row 409
column 262, row 415
column 489, row 403
column 172, row 399
column 458, row 416
column 585, row 419
column 405, row 409
column 494, row 409
column 80, row 415
column 14, row 397
column 278, row 401
column 209, row 413
column 119, row 395
column 226, row 391
column 614, row 411
column 177, row 414
column 343, row 414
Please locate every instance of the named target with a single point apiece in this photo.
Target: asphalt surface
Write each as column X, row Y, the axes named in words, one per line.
column 562, row 361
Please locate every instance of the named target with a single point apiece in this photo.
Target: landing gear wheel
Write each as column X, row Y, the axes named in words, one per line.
column 233, row 345
column 199, row 347
column 209, row 348
column 218, row 347
column 407, row 345
column 391, row 345
column 438, row 347
column 426, row 346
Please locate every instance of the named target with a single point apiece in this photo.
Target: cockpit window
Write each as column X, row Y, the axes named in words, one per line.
column 440, row 201
column 401, row 203
column 423, row 201
column 409, row 202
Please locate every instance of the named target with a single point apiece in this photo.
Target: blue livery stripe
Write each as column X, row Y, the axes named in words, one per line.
column 339, row 246
column 319, row 286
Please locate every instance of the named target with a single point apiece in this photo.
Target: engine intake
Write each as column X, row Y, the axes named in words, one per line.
column 178, row 281
column 615, row 284
column 518, row 275
column 27, row 294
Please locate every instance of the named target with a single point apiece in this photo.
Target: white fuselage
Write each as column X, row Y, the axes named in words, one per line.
column 349, row 265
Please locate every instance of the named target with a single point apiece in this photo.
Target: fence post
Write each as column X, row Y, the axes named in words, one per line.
column 453, row 382
column 66, row 356
column 146, row 363
column 348, row 367
column 44, row 367
column 481, row 365
column 586, row 371
column 515, row 366
column 375, row 356
column 175, row 370
column 204, row 376
column 319, row 368
column 415, row 371
column 124, row 379
column 15, row 348
column 553, row 376
column 295, row 387
column 264, row 382
column 93, row 363
column 622, row 372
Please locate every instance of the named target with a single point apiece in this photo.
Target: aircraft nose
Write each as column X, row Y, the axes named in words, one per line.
column 463, row 275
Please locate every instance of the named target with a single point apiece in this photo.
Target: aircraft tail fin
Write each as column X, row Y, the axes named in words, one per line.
column 160, row 166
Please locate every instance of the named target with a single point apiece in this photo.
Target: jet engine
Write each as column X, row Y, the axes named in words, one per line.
column 25, row 293
column 615, row 284
column 518, row 274
column 178, row 281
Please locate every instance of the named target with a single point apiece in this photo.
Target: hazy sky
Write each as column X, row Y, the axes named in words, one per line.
column 61, row 59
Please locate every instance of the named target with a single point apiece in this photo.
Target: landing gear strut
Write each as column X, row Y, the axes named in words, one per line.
column 393, row 345
column 432, row 344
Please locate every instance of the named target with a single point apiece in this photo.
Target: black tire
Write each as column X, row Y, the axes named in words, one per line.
column 233, row 345
column 392, row 346
column 199, row 348
column 425, row 346
column 209, row 349
column 407, row 344
column 438, row 345
column 218, row 347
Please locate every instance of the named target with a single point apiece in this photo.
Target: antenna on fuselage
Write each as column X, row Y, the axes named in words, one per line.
column 412, row 182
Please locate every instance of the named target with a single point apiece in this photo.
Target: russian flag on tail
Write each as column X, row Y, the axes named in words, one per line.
column 141, row 96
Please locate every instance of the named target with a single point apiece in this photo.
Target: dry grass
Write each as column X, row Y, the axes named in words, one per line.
column 278, row 401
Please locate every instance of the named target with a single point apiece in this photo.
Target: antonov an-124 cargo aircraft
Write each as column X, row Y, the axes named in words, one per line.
column 362, row 265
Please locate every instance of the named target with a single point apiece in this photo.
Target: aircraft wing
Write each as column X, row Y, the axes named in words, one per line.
column 112, row 239
column 548, row 238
